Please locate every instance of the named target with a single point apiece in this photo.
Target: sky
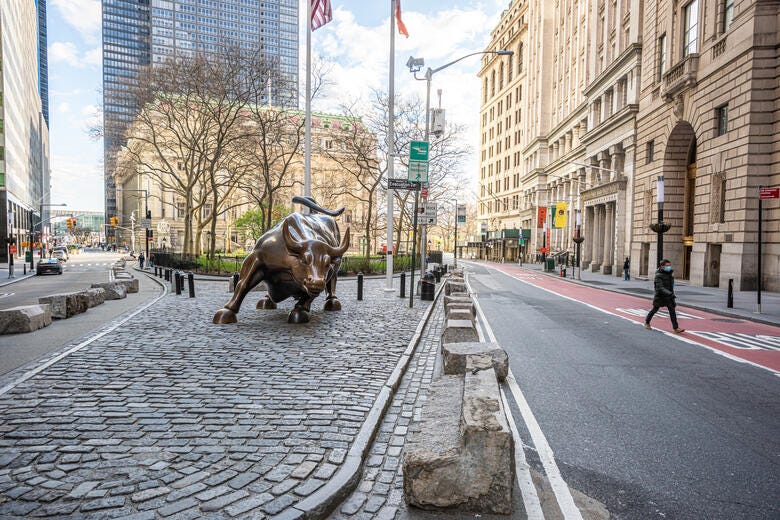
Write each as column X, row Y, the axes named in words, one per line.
column 356, row 43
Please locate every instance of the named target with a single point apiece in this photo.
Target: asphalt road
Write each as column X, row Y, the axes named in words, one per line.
column 80, row 271
column 649, row 425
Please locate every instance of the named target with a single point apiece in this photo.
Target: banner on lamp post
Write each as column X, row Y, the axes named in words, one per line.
column 541, row 216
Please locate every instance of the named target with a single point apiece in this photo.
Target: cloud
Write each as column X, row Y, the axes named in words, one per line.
column 65, row 52
column 94, row 57
column 63, row 108
column 82, row 15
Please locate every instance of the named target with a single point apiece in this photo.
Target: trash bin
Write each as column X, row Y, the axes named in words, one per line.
column 549, row 265
column 437, row 274
column 28, row 256
column 428, row 286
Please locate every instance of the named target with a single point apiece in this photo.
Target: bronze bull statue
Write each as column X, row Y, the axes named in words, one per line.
column 298, row 258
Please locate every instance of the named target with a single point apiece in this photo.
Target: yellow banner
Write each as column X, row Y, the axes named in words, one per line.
column 560, row 215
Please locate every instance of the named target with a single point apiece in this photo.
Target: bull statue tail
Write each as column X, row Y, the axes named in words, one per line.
column 311, row 204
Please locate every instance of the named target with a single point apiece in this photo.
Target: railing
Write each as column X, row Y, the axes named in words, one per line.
column 680, row 77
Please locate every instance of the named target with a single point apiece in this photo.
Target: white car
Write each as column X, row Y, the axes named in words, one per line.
column 60, row 254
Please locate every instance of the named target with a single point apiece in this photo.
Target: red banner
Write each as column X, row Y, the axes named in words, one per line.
column 541, row 216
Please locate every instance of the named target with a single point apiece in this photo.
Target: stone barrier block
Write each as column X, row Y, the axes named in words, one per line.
column 458, row 279
column 95, row 296
column 25, row 318
column 459, row 314
column 457, row 298
column 131, row 285
column 113, row 291
column 66, row 305
column 488, row 441
column 451, row 288
column 457, row 358
column 459, row 307
column 459, row 331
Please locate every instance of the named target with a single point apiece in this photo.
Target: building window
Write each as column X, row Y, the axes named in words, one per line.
column 728, row 14
column 520, row 58
column 691, row 28
column 722, row 199
column 179, row 210
column 661, row 56
column 722, row 120
column 650, row 151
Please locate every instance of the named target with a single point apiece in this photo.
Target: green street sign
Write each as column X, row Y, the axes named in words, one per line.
column 418, row 151
column 418, row 161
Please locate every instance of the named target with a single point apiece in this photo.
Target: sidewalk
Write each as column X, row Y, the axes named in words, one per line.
column 710, row 299
column 169, row 415
column 19, row 274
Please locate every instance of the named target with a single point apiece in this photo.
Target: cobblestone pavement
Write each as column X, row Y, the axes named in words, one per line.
column 170, row 416
column 380, row 492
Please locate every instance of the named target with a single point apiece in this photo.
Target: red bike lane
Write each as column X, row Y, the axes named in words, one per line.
column 734, row 338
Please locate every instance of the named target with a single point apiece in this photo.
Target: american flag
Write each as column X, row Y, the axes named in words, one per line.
column 321, row 13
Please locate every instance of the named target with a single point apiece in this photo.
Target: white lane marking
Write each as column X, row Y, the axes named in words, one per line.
column 533, row 508
column 743, row 341
column 41, row 368
column 558, row 485
column 662, row 313
column 678, row 337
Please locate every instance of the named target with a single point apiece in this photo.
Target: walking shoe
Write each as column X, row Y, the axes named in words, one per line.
column 647, row 326
column 678, row 330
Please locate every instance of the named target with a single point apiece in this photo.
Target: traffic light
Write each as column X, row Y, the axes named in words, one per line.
column 114, row 221
column 75, row 222
column 70, row 223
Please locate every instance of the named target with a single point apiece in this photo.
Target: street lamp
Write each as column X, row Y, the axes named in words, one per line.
column 147, row 216
column 415, row 65
column 578, row 238
column 659, row 227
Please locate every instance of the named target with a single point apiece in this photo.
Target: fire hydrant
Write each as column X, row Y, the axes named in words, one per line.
column 563, row 271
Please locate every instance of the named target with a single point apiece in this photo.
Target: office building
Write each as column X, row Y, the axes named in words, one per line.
column 137, row 33
column 24, row 133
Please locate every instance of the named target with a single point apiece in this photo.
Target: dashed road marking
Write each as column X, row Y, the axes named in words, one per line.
column 662, row 313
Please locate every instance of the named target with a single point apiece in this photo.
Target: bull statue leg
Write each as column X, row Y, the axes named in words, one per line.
column 332, row 303
column 266, row 303
column 300, row 313
column 251, row 274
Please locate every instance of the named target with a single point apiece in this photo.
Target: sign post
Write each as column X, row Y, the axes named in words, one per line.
column 417, row 172
column 460, row 216
column 763, row 193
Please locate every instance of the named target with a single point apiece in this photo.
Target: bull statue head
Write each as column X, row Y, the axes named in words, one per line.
column 315, row 259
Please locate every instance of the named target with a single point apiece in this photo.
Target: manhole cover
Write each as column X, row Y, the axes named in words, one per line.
column 727, row 320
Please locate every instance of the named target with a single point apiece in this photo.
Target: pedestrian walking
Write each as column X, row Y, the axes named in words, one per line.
column 151, row 259
column 141, row 260
column 664, row 295
column 626, row 269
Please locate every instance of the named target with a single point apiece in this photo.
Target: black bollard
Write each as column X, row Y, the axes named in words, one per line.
column 167, row 275
column 730, row 301
column 25, row 268
column 177, row 281
column 360, row 286
column 191, row 284
column 403, row 285
column 437, row 274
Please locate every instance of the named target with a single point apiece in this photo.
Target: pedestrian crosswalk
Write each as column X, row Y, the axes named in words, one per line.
column 662, row 313
column 743, row 341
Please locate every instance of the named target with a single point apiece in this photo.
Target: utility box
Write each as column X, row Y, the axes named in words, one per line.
column 437, row 122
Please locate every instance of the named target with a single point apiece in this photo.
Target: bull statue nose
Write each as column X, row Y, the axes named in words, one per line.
column 315, row 284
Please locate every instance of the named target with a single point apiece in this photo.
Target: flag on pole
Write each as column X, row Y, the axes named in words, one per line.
column 401, row 26
column 560, row 215
column 321, row 13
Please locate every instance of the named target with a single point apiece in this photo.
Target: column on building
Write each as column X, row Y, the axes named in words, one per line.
column 604, row 164
column 609, row 234
column 598, row 237
column 586, row 250
column 618, row 161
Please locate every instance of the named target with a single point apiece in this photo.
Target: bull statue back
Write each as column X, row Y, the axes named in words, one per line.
column 298, row 258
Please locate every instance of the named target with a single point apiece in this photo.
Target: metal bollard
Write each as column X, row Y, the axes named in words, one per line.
column 167, row 275
column 730, row 301
column 403, row 285
column 178, row 280
column 191, row 284
column 25, row 268
column 360, row 286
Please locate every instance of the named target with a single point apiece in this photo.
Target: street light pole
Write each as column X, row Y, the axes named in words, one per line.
column 147, row 216
column 659, row 227
column 578, row 238
column 32, row 233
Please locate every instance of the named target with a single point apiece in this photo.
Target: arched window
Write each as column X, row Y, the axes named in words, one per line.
column 493, row 83
column 520, row 58
column 501, row 76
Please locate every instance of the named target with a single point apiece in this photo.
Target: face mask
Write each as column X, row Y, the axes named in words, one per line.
column 668, row 268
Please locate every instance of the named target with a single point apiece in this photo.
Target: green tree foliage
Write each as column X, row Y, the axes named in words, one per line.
column 252, row 223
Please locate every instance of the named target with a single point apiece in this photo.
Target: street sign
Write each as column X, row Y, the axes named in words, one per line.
column 769, row 193
column 424, row 193
column 402, row 184
column 12, row 250
column 428, row 214
column 418, row 161
column 146, row 223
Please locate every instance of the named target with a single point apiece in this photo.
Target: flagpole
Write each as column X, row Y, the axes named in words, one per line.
column 390, row 151
column 307, row 136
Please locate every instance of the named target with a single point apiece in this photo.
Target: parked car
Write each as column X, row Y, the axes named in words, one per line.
column 49, row 265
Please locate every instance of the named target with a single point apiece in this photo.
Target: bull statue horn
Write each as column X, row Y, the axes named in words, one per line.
column 339, row 251
column 292, row 245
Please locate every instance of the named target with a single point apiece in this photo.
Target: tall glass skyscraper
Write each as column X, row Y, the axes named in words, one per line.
column 139, row 32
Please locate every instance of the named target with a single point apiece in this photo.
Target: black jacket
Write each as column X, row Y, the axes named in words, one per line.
column 664, row 288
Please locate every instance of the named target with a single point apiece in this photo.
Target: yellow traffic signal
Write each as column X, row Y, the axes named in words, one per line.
column 69, row 223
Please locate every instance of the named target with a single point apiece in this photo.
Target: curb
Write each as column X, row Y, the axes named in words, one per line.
column 321, row 503
column 15, row 279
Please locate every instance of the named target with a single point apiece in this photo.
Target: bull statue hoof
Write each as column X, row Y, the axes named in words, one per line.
column 298, row 316
column 266, row 304
column 225, row 316
column 332, row 304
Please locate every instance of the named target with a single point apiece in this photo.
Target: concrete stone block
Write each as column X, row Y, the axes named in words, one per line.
column 459, row 331
column 131, row 285
column 461, row 307
column 113, row 291
column 457, row 298
column 95, row 296
column 455, row 288
column 65, row 305
column 25, row 318
column 456, row 358
column 459, row 314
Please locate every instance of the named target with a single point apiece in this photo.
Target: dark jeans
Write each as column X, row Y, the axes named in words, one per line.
column 672, row 315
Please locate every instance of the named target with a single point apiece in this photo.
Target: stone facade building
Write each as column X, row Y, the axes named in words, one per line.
column 617, row 94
